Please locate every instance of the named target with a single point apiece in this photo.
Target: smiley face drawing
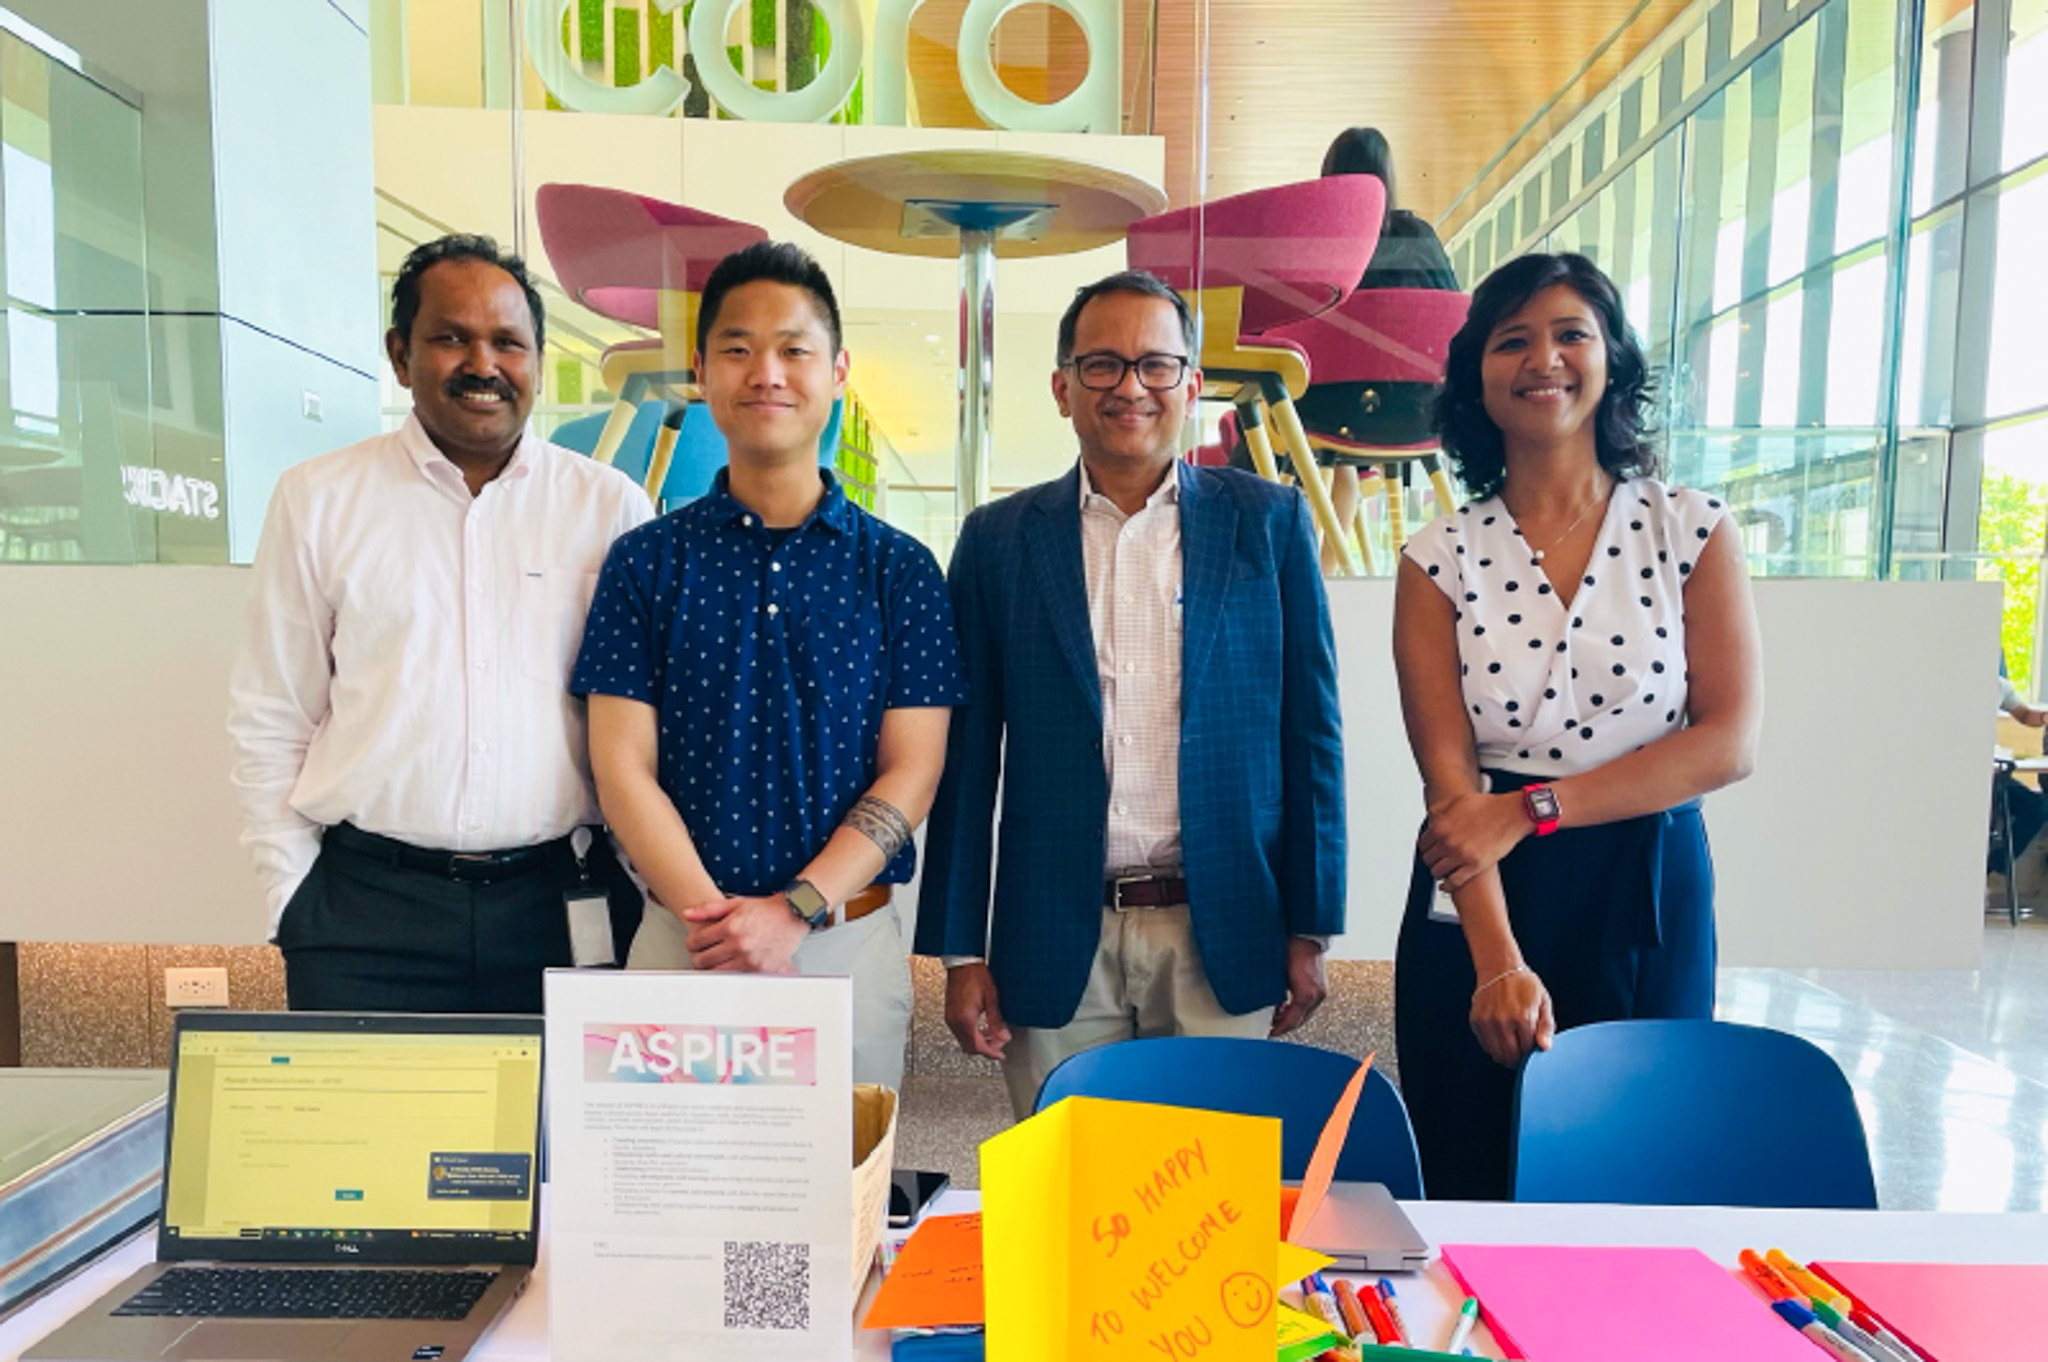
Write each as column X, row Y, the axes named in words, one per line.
column 1247, row 1299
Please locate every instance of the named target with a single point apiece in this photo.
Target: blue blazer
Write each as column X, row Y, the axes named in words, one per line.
column 1261, row 749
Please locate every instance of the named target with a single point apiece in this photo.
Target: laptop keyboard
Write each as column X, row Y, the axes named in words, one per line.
column 309, row 1293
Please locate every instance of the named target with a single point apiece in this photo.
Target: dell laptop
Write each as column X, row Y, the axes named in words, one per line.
column 360, row 1188
column 1363, row 1229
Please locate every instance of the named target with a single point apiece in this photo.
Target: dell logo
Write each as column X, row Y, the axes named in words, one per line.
column 347, row 1248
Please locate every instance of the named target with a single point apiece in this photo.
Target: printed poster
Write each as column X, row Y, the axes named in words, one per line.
column 700, row 1137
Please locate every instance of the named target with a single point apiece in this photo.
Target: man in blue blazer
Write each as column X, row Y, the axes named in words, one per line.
column 1152, row 686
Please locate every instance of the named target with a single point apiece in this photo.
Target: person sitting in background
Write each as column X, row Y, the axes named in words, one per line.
column 1409, row 254
column 2029, row 807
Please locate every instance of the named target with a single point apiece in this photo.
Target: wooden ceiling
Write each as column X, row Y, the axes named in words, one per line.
column 1453, row 83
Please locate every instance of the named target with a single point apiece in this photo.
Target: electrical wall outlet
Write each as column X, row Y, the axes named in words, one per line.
column 207, row 987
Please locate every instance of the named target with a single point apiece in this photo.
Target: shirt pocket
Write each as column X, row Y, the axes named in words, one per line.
column 550, row 608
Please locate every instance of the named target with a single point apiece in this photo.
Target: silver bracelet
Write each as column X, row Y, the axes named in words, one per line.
column 1504, row 974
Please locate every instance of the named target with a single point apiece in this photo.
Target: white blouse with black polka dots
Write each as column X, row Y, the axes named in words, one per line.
column 1554, row 690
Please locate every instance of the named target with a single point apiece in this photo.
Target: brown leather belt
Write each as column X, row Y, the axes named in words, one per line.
column 1123, row 892
column 865, row 902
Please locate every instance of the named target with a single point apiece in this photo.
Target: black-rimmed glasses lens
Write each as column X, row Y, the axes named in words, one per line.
column 1105, row 371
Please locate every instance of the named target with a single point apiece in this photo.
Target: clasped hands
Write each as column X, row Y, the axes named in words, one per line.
column 756, row 935
column 1468, row 834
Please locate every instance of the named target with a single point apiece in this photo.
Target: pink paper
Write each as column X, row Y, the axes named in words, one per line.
column 1950, row 1312
column 1621, row 1305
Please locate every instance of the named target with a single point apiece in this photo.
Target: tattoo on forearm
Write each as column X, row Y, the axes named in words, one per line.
column 881, row 823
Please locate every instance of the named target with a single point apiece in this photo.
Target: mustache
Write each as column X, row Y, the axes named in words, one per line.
column 470, row 383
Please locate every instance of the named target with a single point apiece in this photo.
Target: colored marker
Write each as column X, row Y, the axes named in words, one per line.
column 1325, row 1305
column 1383, row 1327
column 1393, row 1304
column 1355, row 1322
column 1806, row 1322
column 1808, row 1284
column 1877, row 1329
column 1468, row 1315
column 1848, row 1329
column 1769, row 1278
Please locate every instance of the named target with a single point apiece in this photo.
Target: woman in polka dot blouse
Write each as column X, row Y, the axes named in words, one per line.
column 1579, row 663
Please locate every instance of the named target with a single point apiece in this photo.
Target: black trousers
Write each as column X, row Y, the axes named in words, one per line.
column 364, row 933
column 1618, row 922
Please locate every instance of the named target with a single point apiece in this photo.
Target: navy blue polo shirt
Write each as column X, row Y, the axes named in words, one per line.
column 769, row 658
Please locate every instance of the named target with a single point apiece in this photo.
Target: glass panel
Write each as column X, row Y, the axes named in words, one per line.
column 1942, row 144
column 2017, row 381
column 2012, row 514
column 83, row 476
column 1864, row 180
column 1855, row 340
column 1928, row 344
column 2026, row 84
column 1787, row 219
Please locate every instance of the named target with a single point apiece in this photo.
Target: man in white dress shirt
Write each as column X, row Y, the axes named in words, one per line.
column 412, row 769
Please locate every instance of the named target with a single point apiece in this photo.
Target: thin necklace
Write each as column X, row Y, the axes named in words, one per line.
column 1536, row 555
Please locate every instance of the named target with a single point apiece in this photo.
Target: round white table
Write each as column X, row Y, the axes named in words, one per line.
column 978, row 205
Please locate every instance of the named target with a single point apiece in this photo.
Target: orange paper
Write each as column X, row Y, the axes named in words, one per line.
column 1322, row 1165
column 936, row 1279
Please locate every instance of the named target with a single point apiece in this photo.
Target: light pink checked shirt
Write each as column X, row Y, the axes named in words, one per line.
column 1133, row 570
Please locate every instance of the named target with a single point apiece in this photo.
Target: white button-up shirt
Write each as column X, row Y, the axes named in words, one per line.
column 1133, row 568
column 409, row 651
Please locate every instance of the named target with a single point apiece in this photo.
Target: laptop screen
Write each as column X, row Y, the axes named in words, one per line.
column 339, row 1138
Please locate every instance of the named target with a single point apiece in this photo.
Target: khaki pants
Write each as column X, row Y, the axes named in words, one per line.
column 1147, row 980
column 869, row 951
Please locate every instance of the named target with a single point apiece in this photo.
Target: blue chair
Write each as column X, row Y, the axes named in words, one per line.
column 1688, row 1113
column 1299, row 1084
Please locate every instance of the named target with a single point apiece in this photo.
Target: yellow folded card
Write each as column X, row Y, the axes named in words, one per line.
column 1127, row 1230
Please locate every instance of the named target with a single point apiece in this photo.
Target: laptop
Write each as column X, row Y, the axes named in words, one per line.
column 359, row 1188
column 1364, row 1229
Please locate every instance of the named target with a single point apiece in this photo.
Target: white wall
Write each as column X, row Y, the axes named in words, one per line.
column 1859, row 842
column 117, row 822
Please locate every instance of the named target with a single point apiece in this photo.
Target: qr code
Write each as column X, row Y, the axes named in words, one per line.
column 767, row 1286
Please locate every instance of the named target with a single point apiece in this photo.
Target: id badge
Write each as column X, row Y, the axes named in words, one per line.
column 590, row 927
column 1441, row 909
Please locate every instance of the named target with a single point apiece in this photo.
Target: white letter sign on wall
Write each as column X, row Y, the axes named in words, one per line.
column 815, row 103
column 1094, row 106
column 661, row 93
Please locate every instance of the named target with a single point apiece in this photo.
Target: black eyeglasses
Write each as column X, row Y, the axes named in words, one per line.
column 1104, row 370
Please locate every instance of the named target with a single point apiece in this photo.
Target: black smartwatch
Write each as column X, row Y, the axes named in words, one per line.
column 810, row 906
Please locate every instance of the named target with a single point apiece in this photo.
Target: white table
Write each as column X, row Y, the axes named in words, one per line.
column 1428, row 1300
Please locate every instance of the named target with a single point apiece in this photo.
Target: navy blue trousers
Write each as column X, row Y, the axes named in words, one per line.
column 1617, row 920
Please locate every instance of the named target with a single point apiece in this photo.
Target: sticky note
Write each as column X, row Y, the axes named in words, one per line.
column 1114, row 1230
column 936, row 1278
column 1620, row 1305
column 1301, row 1335
column 1297, row 1262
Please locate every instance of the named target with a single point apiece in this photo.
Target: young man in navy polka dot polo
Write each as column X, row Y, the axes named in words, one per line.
column 770, row 670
